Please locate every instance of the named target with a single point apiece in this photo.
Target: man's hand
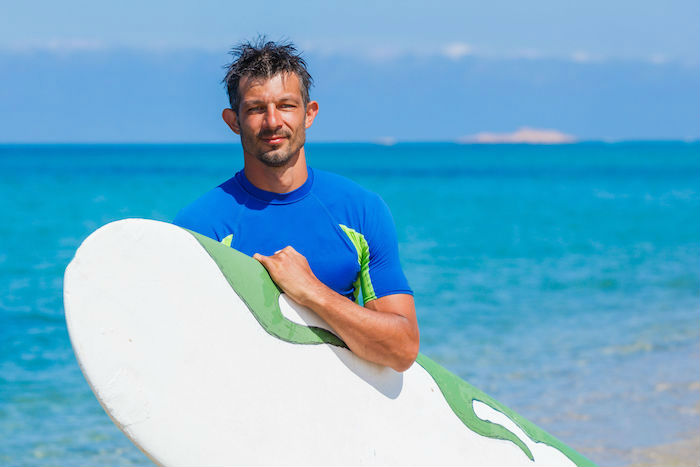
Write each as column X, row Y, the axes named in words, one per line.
column 385, row 331
column 291, row 272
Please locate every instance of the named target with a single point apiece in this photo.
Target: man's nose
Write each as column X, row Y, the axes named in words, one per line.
column 272, row 117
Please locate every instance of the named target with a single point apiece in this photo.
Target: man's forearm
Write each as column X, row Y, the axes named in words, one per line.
column 384, row 331
column 377, row 335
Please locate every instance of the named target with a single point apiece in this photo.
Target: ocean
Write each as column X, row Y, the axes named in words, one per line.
column 563, row 280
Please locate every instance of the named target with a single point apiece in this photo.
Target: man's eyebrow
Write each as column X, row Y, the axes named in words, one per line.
column 253, row 101
column 286, row 97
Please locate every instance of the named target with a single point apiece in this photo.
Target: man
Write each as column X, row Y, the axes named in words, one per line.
column 323, row 239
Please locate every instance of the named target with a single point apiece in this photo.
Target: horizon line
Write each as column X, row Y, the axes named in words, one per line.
column 375, row 142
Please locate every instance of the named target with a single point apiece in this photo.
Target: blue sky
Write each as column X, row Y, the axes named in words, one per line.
column 596, row 70
column 646, row 30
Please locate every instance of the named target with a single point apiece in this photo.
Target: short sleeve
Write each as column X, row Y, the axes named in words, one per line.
column 208, row 214
column 187, row 218
column 381, row 273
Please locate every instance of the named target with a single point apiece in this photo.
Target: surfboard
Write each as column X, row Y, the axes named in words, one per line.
column 200, row 359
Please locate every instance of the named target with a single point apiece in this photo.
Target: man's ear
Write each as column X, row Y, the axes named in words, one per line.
column 231, row 120
column 311, row 112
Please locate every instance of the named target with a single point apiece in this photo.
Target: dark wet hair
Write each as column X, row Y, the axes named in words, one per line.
column 264, row 59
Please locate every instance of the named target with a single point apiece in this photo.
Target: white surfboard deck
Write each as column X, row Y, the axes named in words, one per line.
column 186, row 370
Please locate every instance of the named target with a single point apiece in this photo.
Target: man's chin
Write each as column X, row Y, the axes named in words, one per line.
column 274, row 158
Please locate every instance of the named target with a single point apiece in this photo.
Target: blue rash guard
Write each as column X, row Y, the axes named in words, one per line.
column 345, row 232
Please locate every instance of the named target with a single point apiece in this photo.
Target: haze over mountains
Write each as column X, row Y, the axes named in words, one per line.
column 85, row 94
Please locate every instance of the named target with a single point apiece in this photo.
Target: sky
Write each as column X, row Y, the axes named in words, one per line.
column 150, row 71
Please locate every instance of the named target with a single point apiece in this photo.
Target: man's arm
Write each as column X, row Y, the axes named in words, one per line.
column 384, row 331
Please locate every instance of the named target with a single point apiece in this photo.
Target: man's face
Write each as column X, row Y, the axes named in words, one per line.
column 271, row 118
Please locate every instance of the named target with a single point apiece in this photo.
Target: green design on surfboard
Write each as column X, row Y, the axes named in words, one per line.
column 262, row 298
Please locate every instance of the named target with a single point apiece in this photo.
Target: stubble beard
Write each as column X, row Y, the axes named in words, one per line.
column 277, row 157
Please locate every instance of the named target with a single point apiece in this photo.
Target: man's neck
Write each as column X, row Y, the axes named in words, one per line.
column 277, row 179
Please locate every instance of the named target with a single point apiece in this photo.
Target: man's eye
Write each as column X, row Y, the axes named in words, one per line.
column 257, row 109
column 287, row 106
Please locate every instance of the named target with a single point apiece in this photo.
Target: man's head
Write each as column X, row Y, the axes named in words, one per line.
column 263, row 59
column 268, row 88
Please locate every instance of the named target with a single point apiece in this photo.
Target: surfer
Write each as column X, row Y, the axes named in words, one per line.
column 328, row 243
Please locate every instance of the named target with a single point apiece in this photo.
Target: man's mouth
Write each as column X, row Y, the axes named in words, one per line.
column 276, row 139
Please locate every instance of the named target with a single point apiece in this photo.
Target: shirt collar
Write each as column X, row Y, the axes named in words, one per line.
column 271, row 197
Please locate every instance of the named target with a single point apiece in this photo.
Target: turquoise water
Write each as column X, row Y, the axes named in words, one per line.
column 562, row 280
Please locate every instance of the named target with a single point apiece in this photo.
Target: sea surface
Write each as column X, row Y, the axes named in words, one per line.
column 563, row 280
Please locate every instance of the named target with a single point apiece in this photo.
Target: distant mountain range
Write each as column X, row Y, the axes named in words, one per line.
column 111, row 95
